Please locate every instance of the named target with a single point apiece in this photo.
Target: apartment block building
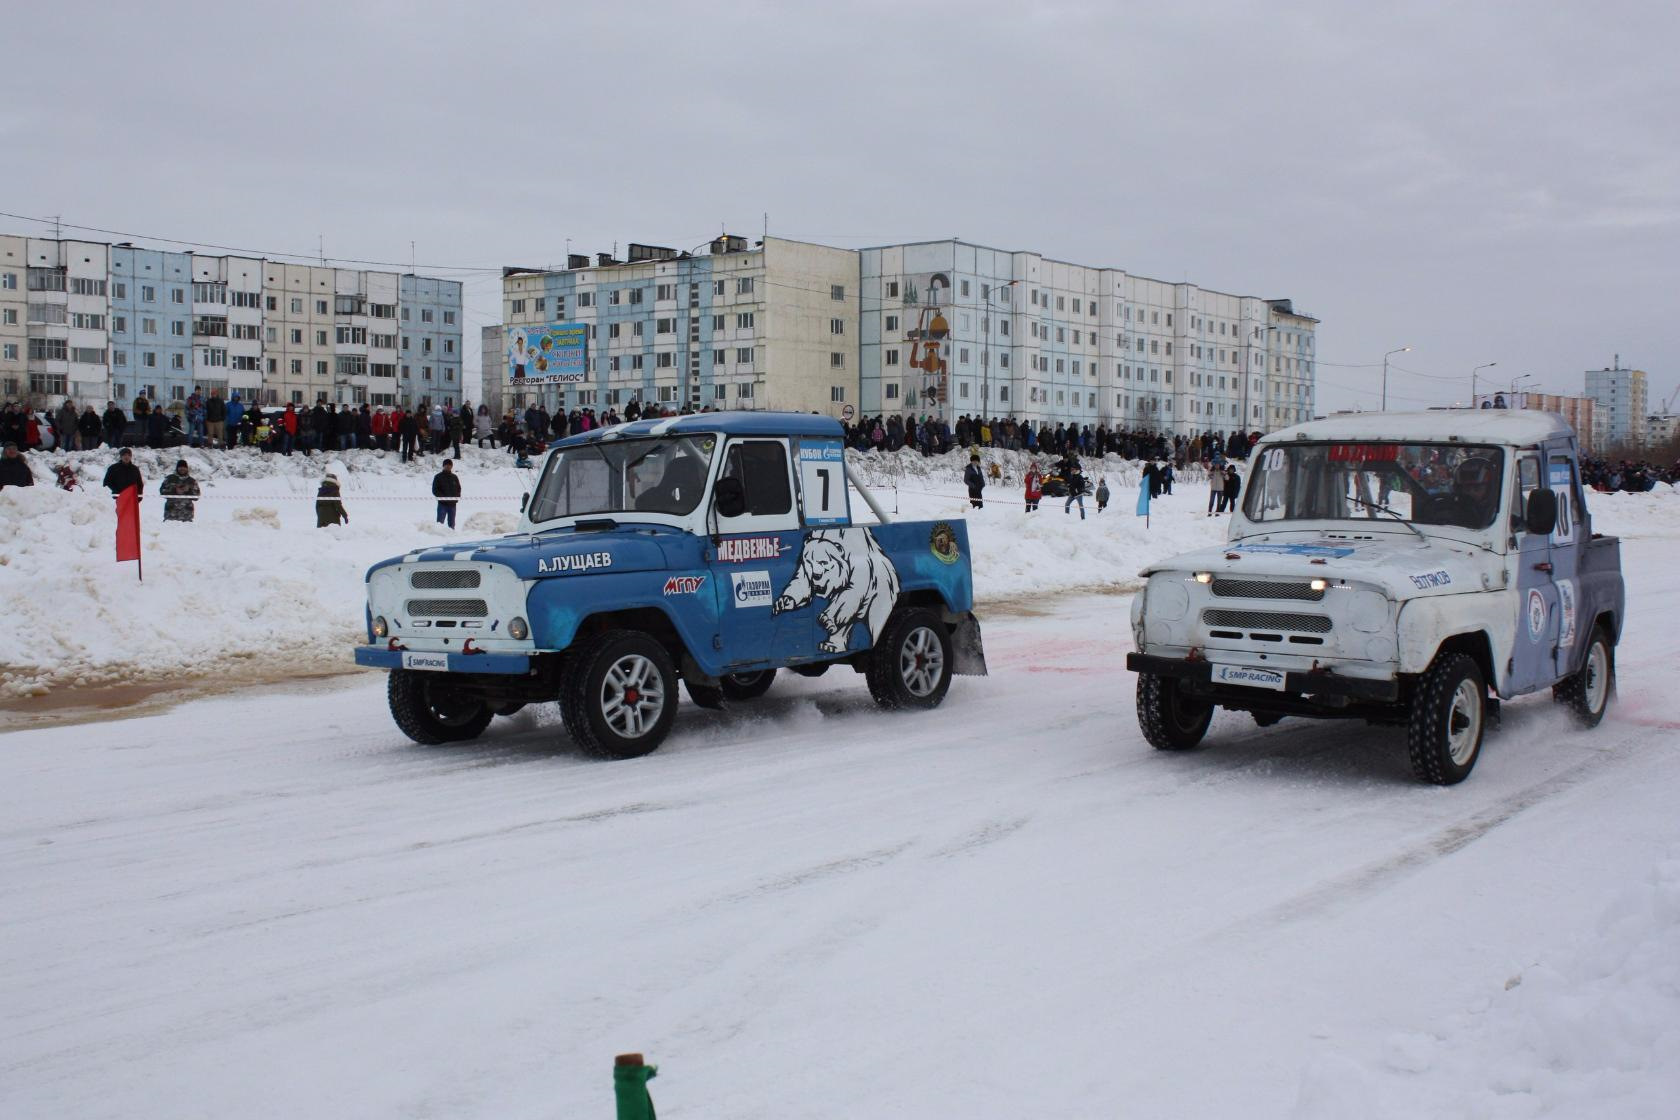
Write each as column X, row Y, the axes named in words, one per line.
column 96, row 321
column 1620, row 398
column 1580, row 413
column 768, row 326
column 949, row 328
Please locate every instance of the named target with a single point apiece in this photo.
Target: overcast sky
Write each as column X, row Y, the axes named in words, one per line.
column 1483, row 182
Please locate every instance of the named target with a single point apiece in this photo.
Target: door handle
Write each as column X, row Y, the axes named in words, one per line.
column 1543, row 566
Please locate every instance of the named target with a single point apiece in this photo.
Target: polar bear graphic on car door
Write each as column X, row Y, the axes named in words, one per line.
column 849, row 569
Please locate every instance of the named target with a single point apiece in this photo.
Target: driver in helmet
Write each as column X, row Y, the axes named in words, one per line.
column 1475, row 493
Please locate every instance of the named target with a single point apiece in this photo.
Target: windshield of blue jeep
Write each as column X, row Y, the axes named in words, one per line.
column 666, row 475
column 1420, row 483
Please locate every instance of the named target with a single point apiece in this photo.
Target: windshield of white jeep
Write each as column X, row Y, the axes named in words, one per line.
column 665, row 475
column 1420, row 483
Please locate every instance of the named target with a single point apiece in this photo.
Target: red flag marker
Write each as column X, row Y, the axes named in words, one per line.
column 128, row 528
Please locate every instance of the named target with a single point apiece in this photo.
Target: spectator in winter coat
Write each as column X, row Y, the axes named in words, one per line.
column 179, row 489
column 975, row 478
column 329, row 504
column 1076, row 487
column 1233, row 487
column 89, row 429
column 215, row 419
column 235, row 413
column 66, row 424
column 483, row 429
column 116, row 423
column 446, row 488
column 436, row 427
column 1035, row 487
column 155, row 427
column 123, row 473
column 1102, row 494
column 452, row 430
column 408, row 428
column 14, row 469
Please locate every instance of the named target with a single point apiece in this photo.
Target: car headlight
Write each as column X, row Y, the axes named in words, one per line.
column 518, row 630
column 380, row 629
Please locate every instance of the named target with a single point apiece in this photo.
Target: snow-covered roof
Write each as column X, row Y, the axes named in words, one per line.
column 1483, row 425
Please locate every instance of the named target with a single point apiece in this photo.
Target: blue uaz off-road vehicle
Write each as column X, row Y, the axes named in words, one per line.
column 715, row 548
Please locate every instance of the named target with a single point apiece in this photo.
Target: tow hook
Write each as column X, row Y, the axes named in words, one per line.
column 395, row 646
column 467, row 647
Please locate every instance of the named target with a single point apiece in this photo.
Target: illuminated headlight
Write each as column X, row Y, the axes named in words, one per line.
column 380, row 629
column 1204, row 577
column 518, row 630
column 1319, row 584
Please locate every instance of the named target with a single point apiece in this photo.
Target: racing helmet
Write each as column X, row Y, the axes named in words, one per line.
column 1476, row 470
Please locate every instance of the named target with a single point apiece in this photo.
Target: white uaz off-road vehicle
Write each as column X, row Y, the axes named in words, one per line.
column 1395, row 568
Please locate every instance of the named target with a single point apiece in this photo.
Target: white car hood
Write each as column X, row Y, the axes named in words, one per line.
column 1403, row 566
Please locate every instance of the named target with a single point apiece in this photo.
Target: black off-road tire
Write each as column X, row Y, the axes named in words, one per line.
column 1448, row 720
column 705, row 695
column 618, row 694
column 747, row 686
column 910, row 667
column 1588, row 693
column 428, row 711
column 1170, row 720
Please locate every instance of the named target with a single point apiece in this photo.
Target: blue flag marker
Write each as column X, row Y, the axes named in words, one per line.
column 1143, row 503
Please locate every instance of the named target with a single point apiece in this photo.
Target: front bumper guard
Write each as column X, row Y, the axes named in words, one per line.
column 1298, row 683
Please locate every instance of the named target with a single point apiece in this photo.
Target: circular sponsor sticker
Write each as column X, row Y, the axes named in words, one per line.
column 1536, row 615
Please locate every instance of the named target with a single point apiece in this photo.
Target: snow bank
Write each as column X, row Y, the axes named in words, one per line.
column 1593, row 1030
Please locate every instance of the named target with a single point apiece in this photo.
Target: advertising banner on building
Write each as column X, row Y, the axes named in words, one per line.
column 557, row 354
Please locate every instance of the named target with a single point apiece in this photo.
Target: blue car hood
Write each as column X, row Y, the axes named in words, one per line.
column 570, row 552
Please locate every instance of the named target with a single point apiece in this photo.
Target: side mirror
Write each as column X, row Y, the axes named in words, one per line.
column 729, row 496
column 524, row 500
column 1540, row 514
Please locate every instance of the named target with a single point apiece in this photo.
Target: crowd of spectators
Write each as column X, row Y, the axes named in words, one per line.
column 932, row 436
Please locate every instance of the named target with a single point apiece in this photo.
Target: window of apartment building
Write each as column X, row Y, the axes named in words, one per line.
column 635, row 361
column 427, row 315
column 88, row 355
column 178, row 328
column 1003, row 360
column 86, row 286
column 1061, row 397
column 1169, row 348
column 47, row 383
column 1060, row 305
column 297, row 367
column 320, row 338
column 47, row 313
column 635, row 295
column 518, row 307
column 612, row 363
column 1091, row 309
column 744, row 391
column 449, row 316
column 383, row 341
column 320, row 369
column 381, row 310
column 890, row 357
column 1076, row 337
column 8, row 281
column 1155, row 317
column 425, row 373
column 297, row 336
column 664, row 360
column 962, row 356
column 212, row 356
column 449, row 346
column 665, row 291
column 353, row 336
column 148, row 294
column 837, row 326
column 320, row 307
column 891, row 323
column 297, row 307
column 8, row 316
column 744, row 321
column 744, row 286
column 586, row 299
column 717, row 322
column 744, row 355
column 1076, row 370
column 892, row 289
column 717, row 287
column 636, row 328
column 177, row 295
column 148, row 326
column 614, row 297
column 891, row 392
column 665, row 326
column 425, row 346
column 148, row 360
column 1061, row 366
column 719, row 357
column 1154, row 346
column 836, row 360
column 246, row 363
column 1061, row 335
column 1169, row 318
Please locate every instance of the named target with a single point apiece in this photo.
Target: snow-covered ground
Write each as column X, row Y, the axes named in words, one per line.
column 271, row 904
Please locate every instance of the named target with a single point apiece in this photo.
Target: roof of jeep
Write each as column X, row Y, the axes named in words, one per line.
column 725, row 423
column 1510, row 427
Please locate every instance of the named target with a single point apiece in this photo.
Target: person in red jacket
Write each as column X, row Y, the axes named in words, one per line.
column 381, row 428
column 288, row 428
column 1035, row 487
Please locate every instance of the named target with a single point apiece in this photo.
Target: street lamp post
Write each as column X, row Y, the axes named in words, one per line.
column 1386, row 356
column 1473, row 373
column 1514, row 382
